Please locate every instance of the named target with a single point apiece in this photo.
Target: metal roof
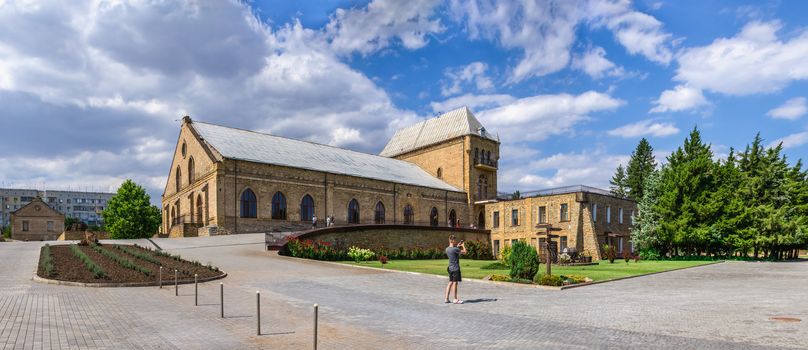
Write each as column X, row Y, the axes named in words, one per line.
column 270, row 149
column 447, row 126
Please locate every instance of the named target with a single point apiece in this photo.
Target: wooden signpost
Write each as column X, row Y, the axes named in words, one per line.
column 548, row 245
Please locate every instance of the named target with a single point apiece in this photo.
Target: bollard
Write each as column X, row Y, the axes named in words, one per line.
column 196, row 290
column 221, row 297
column 161, row 277
column 258, row 312
column 315, row 327
column 176, row 288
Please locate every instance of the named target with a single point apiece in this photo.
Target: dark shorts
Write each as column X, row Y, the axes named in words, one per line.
column 454, row 276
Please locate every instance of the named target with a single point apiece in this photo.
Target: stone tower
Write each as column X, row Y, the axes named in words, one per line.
column 456, row 148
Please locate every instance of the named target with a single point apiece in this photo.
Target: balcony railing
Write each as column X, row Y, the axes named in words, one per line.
column 485, row 162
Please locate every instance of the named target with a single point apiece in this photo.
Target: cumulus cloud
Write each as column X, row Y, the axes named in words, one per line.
column 474, row 102
column 545, row 31
column 792, row 109
column 537, row 117
column 372, row 28
column 645, row 128
column 753, row 61
column 792, row 141
column 459, row 77
column 102, row 81
column 681, row 98
column 595, row 64
column 589, row 167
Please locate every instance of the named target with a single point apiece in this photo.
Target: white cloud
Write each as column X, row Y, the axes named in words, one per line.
column 125, row 72
column 545, row 31
column 537, row 117
column 681, row 98
column 753, row 61
column 474, row 102
column 369, row 29
column 589, row 167
column 792, row 141
column 471, row 74
column 645, row 128
column 792, row 109
column 596, row 65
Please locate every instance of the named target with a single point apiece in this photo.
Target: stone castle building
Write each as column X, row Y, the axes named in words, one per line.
column 441, row 171
column 36, row 221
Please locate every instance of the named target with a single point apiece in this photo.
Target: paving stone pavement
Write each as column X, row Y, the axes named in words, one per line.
column 722, row 306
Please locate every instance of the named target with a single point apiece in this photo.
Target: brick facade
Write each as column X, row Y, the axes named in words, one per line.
column 36, row 221
column 580, row 228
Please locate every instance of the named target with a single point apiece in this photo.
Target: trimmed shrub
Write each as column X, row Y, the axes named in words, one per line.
column 524, row 261
column 494, row 266
column 549, row 280
column 97, row 271
column 359, row 254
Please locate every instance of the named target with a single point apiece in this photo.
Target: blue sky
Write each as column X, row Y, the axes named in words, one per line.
column 93, row 92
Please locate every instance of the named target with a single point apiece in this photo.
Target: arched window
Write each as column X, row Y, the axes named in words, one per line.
column 488, row 156
column 482, row 187
column 433, row 217
column 409, row 215
column 199, row 208
column 353, row 212
column 178, row 178
column 476, row 154
column 249, row 204
column 440, row 173
column 306, row 208
column 191, row 170
column 452, row 218
column 378, row 214
column 173, row 216
column 279, row 206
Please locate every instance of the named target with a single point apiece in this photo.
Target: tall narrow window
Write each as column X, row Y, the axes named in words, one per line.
column 562, row 243
column 476, row 154
column 542, row 219
column 433, row 217
column 608, row 214
column 495, row 220
column 496, row 248
column 279, row 206
column 482, row 187
column 409, row 215
column 488, row 157
column 50, row 226
column 631, row 217
column 191, row 170
column 594, row 212
column 481, row 220
column 620, row 215
column 306, row 208
column 440, row 173
column 620, row 244
column 199, row 208
column 353, row 212
column 452, row 218
column 514, row 217
column 378, row 214
column 249, row 204
column 178, row 178
column 564, row 212
column 25, row 225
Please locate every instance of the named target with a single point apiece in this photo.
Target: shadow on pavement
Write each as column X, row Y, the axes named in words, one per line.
column 482, row 300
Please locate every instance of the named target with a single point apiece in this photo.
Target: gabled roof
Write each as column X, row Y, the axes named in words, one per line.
column 258, row 147
column 447, row 126
column 36, row 208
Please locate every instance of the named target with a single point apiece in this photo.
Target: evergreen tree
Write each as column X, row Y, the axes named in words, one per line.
column 618, row 182
column 640, row 167
column 129, row 213
column 645, row 232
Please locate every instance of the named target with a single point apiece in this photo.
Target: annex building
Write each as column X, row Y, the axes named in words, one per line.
column 441, row 171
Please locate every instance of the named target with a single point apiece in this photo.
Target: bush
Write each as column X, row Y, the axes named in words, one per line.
column 478, row 250
column 505, row 256
column 382, row 259
column 609, row 252
column 317, row 250
column 524, row 261
column 494, row 266
column 6, row 232
column 549, row 280
column 359, row 254
column 500, row 278
column 650, row 254
column 97, row 271
column 627, row 257
column 574, row 279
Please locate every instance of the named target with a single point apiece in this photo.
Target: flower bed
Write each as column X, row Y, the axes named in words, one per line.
column 319, row 250
column 117, row 264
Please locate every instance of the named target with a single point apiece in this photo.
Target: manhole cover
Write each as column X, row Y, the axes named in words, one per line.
column 784, row 319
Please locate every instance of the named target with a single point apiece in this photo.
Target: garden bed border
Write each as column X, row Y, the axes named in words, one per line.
column 166, row 282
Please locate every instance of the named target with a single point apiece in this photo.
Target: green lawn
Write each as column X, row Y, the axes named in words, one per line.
column 471, row 268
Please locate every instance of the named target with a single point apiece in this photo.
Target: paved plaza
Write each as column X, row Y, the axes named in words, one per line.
column 721, row 306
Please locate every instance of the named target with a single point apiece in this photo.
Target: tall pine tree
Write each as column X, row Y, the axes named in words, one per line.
column 640, row 167
column 618, row 182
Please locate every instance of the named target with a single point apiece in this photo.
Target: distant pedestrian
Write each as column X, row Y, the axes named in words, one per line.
column 328, row 221
column 457, row 223
column 453, row 251
column 314, row 221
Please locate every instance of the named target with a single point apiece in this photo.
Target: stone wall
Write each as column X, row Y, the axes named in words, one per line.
column 393, row 236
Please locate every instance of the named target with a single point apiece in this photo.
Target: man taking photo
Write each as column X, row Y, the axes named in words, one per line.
column 453, row 251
